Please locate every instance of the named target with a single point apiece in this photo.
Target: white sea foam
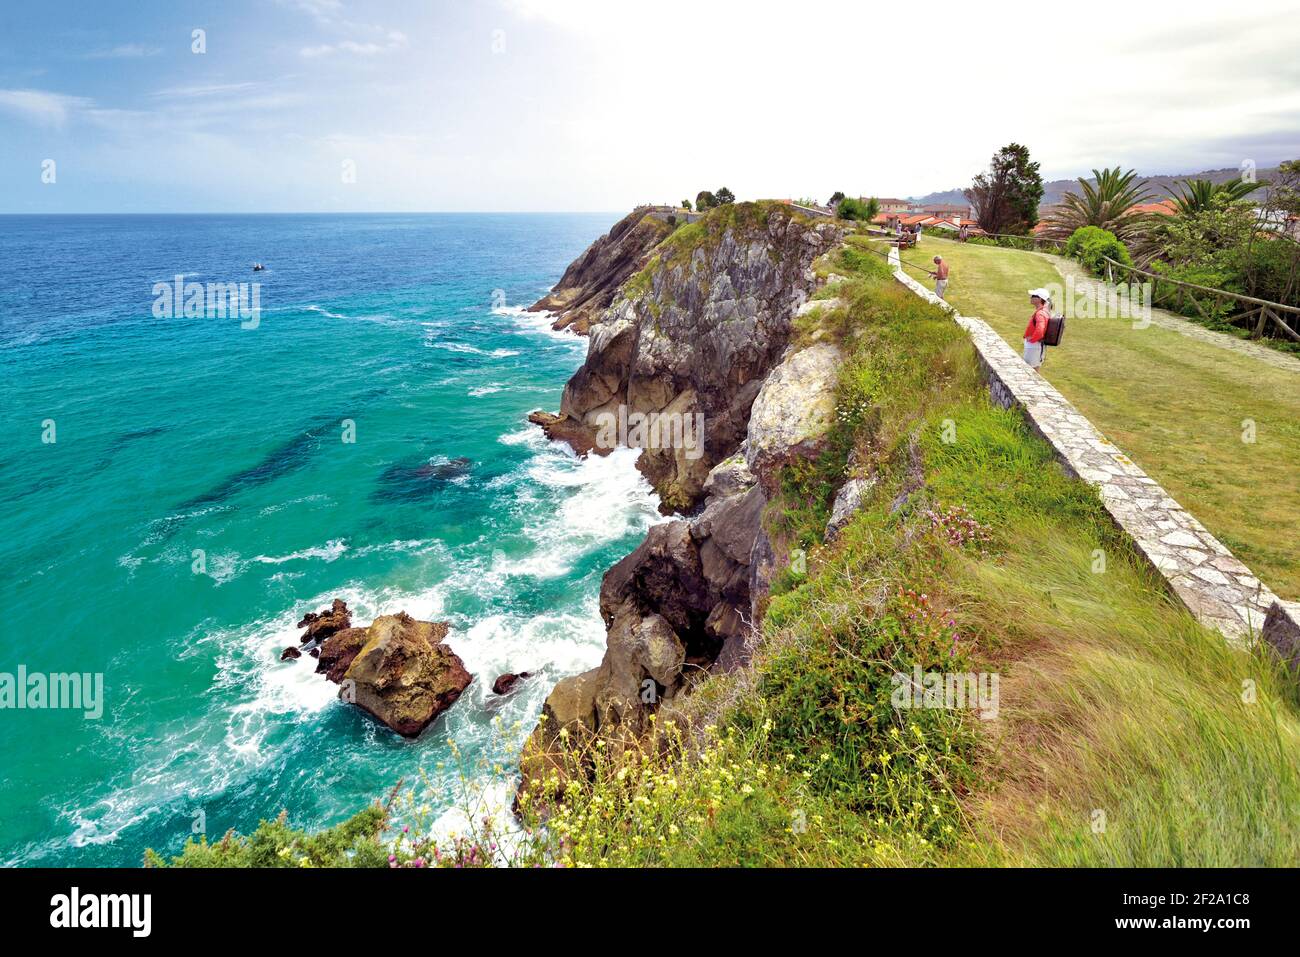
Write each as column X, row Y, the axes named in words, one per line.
column 330, row 551
column 466, row 349
column 567, row 508
column 381, row 317
column 540, row 322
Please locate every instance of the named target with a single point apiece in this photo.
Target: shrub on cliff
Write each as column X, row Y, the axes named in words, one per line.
column 357, row 842
column 704, row 200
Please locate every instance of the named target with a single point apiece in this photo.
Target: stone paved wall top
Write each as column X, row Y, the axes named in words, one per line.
column 1217, row 588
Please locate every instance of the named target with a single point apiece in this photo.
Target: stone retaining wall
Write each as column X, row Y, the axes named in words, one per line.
column 1217, row 588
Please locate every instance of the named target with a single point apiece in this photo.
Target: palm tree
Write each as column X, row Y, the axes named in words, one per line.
column 1107, row 204
column 1197, row 195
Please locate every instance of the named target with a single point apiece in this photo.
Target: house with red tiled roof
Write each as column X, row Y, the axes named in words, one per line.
column 1166, row 207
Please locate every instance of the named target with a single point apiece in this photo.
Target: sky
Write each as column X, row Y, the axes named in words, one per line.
column 530, row 105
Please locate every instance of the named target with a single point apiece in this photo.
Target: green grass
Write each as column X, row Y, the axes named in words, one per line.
column 1174, row 404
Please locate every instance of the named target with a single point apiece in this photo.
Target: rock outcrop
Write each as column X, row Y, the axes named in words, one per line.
column 703, row 329
column 506, row 683
column 321, row 626
column 397, row 669
column 848, row 501
column 793, row 410
column 692, row 337
column 403, row 674
column 589, row 284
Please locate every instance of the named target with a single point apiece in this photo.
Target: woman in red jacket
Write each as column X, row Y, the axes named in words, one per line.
column 1037, row 328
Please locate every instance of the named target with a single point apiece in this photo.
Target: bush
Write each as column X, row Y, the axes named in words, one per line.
column 1092, row 245
column 854, row 209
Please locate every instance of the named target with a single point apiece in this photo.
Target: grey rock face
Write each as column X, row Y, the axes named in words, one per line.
column 698, row 337
column 1282, row 631
column 729, row 477
column 848, row 500
column 794, row 410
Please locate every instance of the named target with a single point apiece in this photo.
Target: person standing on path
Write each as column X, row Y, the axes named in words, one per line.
column 940, row 274
column 1037, row 328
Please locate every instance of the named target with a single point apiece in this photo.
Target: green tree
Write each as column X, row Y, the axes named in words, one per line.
column 724, row 196
column 1006, row 196
column 835, row 198
column 704, row 200
column 686, row 205
column 858, row 210
column 1197, row 195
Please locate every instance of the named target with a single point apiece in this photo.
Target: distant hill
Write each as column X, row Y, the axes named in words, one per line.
column 1162, row 184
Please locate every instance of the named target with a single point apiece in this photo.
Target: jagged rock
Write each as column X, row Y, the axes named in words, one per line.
column 729, row 477
column 702, row 330
column 290, row 653
column 1282, row 631
column 321, row 626
column 561, row 428
column 663, row 575
column 793, row 411
column 335, row 654
column 590, row 282
column 505, row 683
column 814, row 304
column 398, row 670
column 697, row 334
column 848, row 500
column 762, row 565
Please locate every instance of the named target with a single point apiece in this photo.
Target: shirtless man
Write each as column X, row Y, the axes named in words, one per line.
column 940, row 274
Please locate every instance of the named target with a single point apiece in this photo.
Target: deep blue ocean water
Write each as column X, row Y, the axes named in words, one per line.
column 176, row 438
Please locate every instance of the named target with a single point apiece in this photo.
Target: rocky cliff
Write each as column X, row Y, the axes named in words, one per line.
column 691, row 337
column 589, row 284
column 704, row 328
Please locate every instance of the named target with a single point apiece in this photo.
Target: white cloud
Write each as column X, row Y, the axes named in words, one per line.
column 41, row 106
column 205, row 90
column 125, row 51
column 394, row 40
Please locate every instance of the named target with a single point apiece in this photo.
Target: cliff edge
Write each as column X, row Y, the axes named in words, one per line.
column 701, row 333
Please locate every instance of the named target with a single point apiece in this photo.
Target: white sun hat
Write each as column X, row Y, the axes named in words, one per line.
column 1042, row 294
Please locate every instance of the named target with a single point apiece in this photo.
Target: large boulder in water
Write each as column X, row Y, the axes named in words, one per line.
column 402, row 673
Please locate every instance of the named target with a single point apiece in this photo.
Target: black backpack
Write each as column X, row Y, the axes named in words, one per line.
column 1055, row 329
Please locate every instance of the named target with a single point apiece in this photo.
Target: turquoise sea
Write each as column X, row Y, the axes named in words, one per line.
column 183, row 437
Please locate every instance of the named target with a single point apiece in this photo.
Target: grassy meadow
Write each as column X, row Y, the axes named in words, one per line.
column 1179, row 407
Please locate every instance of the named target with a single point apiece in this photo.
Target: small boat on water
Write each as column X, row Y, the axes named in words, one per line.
column 258, row 267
